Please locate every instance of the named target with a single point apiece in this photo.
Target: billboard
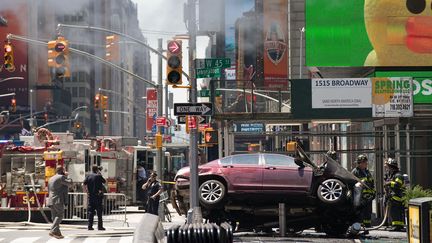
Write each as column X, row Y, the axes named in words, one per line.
column 367, row 33
column 16, row 17
column 392, row 97
column 151, row 110
column 275, row 43
column 341, row 93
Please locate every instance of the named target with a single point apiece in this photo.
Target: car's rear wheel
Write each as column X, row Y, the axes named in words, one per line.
column 331, row 191
column 211, row 193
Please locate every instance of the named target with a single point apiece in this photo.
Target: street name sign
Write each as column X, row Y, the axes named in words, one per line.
column 208, row 73
column 191, row 109
column 212, row 63
column 200, row 119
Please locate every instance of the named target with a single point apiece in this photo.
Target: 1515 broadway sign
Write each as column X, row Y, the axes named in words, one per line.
column 392, row 97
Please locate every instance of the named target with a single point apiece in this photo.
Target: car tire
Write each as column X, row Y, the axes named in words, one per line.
column 331, row 191
column 211, row 193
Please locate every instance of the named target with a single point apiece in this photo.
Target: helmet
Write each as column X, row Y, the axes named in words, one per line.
column 332, row 154
column 362, row 158
column 392, row 162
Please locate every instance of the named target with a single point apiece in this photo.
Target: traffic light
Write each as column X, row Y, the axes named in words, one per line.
column 13, row 104
column 9, row 57
column 97, row 101
column 174, row 63
column 112, row 48
column 104, row 102
column 58, row 57
column 46, row 117
column 210, row 137
column 105, row 117
column 77, row 125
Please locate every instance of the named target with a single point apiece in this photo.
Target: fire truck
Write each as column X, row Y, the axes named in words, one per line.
column 26, row 166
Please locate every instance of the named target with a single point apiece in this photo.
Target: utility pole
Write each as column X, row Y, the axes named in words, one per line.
column 194, row 213
column 160, row 109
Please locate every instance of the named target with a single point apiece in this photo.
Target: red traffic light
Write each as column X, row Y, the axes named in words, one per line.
column 60, row 47
column 174, row 47
column 8, row 48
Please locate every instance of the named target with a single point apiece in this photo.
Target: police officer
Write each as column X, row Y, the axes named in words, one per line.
column 395, row 188
column 95, row 188
column 368, row 193
column 154, row 189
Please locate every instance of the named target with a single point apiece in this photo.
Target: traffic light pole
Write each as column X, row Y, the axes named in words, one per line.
column 157, row 52
column 159, row 163
column 194, row 213
column 27, row 40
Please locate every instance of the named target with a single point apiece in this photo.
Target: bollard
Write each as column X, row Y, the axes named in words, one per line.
column 419, row 220
column 282, row 219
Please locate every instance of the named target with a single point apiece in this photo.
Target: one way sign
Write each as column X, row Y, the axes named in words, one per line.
column 197, row 109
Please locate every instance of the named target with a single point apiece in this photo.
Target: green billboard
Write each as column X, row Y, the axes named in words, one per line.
column 349, row 33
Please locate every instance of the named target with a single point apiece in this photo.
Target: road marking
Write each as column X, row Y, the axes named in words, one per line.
column 25, row 240
column 126, row 239
column 96, row 240
column 357, row 241
column 64, row 240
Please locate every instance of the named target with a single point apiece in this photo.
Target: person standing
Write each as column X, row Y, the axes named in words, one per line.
column 58, row 186
column 368, row 193
column 395, row 188
column 141, row 179
column 95, row 188
column 154, row 190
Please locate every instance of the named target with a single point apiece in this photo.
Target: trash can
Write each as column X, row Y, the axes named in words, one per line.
column 419, row 220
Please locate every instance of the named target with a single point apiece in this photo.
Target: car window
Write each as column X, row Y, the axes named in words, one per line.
column 246, row 159
column 279, row 160
column 226, row 160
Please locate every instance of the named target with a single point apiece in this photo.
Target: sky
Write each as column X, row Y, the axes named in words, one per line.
column 164, row 19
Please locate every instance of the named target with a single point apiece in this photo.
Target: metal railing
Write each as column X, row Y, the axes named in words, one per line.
column 113, row 204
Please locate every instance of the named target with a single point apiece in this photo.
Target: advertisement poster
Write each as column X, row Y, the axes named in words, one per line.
column 392, row 97
column 151, row 110
column 422, row 83
column 15, row 81
column 355, row 33
column 341, row 93
column 275, row 44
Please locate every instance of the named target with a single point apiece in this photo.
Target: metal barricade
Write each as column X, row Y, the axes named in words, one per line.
column 113, row 205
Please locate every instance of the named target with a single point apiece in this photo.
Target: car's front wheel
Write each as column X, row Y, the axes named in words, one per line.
column 211, row 193
column 331, row 191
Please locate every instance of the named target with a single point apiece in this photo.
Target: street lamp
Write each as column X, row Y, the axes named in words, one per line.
column 302, row 30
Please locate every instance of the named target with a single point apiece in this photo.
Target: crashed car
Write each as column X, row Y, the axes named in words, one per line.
column 246, row 189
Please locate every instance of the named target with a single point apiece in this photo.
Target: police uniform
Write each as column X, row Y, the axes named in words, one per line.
column 395, row 189
column 95, row 188
column 368, row 194
column 153, row 204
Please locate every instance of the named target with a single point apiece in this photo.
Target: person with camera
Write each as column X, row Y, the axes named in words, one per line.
column 154, row 189
column 95, row 188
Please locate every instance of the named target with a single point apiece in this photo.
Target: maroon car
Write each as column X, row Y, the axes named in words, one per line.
column 247, row 188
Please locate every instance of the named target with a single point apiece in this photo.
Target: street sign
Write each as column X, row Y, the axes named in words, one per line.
column 174, row 47
column 161, row 121
column 208, row 73
column 198, row 109
column 200, row 119
column 206, row 93
column 212, row 63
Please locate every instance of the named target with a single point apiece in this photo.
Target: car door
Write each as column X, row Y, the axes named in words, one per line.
column 280, row 173
column 243, row 171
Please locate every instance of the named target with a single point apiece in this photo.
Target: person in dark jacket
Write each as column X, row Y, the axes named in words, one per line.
column 368, row 193
column 57, row 198
column 154, row 189
column 95, row 188
column 395, row 188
